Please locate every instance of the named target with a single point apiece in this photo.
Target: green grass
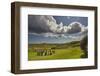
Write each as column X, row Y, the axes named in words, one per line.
column 62, row 51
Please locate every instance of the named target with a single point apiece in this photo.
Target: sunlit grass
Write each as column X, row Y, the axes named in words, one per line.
column 62, row 51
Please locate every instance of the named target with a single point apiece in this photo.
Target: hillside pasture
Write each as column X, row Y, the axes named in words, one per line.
column 46, row 51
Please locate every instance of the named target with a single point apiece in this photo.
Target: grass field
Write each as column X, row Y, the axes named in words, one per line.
column 62, row 51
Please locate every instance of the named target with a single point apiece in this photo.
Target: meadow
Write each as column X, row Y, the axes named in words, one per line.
column 70, row 50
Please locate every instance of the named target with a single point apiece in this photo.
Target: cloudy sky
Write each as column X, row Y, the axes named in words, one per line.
column 56, row 29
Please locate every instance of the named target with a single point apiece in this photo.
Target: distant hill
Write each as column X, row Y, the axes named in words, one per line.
column 73, row 42
column 56, row 46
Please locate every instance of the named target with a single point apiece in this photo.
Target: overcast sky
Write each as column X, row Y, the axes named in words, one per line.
column 56, row 29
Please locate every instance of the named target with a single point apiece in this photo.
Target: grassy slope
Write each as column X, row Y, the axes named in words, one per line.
column 63, row 51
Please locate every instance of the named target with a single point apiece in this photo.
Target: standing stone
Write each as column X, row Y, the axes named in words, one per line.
column 84, row 46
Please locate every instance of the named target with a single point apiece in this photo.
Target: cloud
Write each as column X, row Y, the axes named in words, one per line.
column 75, row 27
column 48, row 27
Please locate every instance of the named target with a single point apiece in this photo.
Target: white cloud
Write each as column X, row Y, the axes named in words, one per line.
column 48, row 27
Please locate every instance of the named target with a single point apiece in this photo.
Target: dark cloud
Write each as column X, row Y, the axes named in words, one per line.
column 75, row 27
column 37, row 25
